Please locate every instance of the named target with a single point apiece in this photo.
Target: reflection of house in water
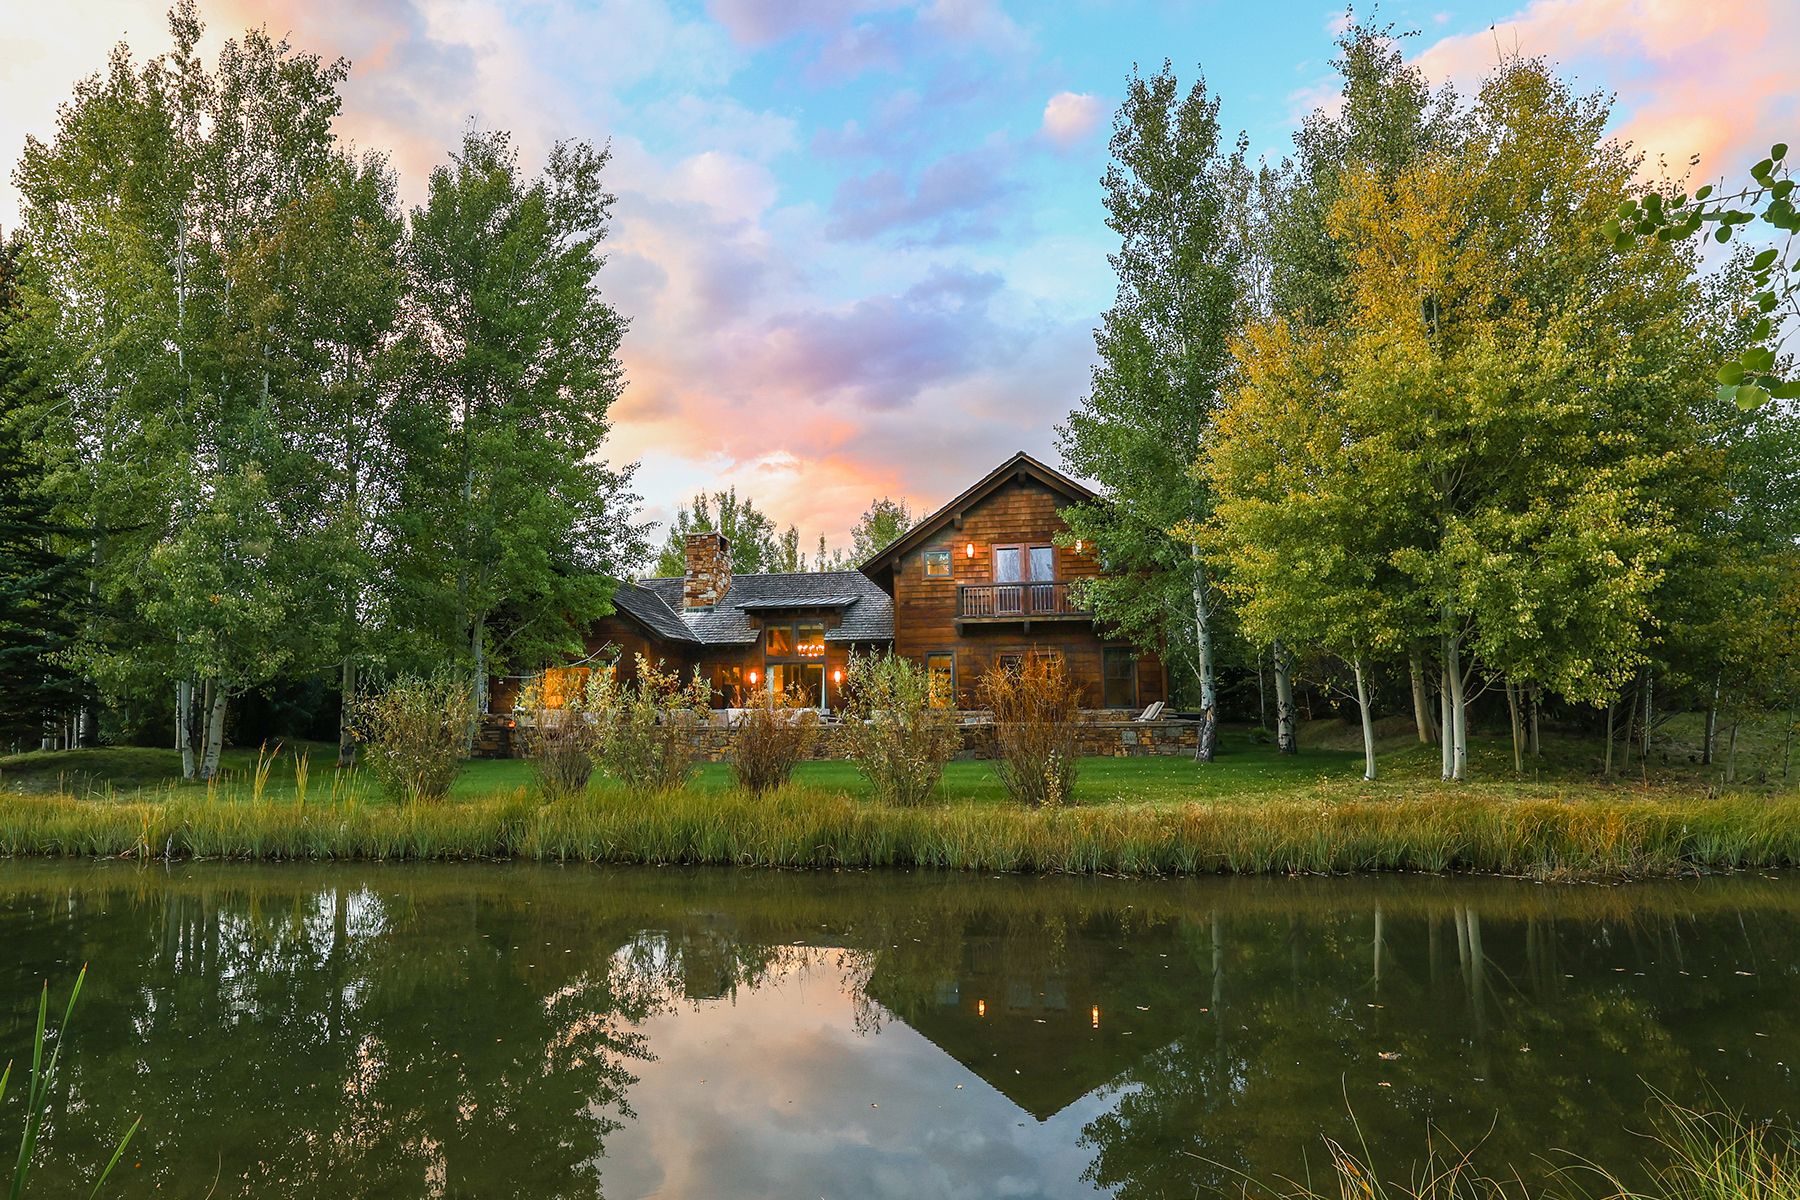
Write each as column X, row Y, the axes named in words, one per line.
column 1043, row 1028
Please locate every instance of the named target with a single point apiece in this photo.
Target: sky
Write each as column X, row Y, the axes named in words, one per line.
column 861, row 242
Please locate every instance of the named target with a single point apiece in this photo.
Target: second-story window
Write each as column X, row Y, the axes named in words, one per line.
column 1017, row 564
column 937, row 564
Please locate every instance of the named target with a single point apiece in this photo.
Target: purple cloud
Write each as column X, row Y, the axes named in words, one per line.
column 958, row 198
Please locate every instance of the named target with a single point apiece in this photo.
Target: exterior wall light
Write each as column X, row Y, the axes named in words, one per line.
column 753, row 677
column 837, row 677
column 969, row 550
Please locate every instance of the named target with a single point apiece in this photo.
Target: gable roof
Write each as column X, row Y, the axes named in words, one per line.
column 868, row 612
column 1019, row 466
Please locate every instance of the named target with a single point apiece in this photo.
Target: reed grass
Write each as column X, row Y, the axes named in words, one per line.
column 1598, row 833
column 1692, row 1154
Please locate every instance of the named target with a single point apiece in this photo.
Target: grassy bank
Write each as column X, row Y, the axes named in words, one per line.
column 1608, row 835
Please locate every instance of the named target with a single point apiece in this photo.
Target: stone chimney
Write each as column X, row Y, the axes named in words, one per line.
column 708, row 570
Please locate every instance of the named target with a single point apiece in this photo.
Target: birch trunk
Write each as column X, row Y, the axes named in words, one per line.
column 1712, row 726
column 184, row 725
column 347, row 714
column 1609, row 739
column 478, row 687
column 1649, row 696
column 1286, row 741
column 1537, row 745
column 1203, row 648
column 1458, row 733
column 1368, row 719
column 1421, row 702
column 1446, row 746
column 1518, row 727
column 1787, row 748
column 215, row 730
column 1731, row 755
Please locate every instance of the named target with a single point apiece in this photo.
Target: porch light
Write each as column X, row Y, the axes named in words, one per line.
column 981, row 1008
column 1096, row 1015
column 837, row 677
column 1078, row 545
column 969, row 550
column 753, row 677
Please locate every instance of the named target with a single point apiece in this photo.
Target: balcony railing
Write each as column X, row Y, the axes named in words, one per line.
column 1013, row 601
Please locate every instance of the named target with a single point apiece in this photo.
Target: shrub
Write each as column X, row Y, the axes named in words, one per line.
column 897, row 738
column 414, row 733
column 1037, row 713
column 561, row 741
column 647, row 726
column 776, row 732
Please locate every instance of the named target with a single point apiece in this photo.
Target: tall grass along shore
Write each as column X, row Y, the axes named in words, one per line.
column 1585, row 833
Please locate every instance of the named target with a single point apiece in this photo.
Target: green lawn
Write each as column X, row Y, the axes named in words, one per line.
column 1245, row 770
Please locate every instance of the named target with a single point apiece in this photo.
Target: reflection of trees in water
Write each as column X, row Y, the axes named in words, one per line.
column 475, row 1030
column 1443, row 1020
column 357, row 1042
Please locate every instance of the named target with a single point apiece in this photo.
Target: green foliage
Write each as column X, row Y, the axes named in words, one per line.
column 882, row 524
column 775, row 734
column 754, row 545
column 562, row 740
column 512, row 528
column 647, row 725
column 413, row 733
column 41, row 581
column 898, row 738
column 1177, row 199
column 1037, row 727
column 1758, row 371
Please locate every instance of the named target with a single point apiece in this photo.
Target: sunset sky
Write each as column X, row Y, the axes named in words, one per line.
column 860, row 242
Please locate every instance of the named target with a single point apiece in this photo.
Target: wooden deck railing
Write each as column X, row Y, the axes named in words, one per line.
column 1033, row 598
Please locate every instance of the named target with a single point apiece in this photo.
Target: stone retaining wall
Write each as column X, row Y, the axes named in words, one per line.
column 1108, row 738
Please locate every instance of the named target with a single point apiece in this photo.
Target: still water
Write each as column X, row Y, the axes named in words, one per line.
column 484, row 1031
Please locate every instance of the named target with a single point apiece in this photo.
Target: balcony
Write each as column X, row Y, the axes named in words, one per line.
column 1032, row 600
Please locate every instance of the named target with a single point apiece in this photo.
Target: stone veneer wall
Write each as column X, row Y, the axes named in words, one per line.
column 1103, row 738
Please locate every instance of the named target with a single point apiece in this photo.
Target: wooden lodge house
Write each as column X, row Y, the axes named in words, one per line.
column 980, row 581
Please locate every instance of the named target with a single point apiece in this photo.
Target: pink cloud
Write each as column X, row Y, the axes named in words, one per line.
column 1713, row 80
column 1070, row 117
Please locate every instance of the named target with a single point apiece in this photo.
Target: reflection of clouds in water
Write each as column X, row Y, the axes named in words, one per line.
column 774, row 1092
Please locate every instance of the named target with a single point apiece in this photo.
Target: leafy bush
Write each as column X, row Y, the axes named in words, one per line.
column 561, row 741
column 647, row 726
column 413, row 735
column 1037, row 728
column 896, row 737
column 776, row 732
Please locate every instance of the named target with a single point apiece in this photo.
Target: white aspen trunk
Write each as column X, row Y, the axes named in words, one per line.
column 1609, row 738
column 478, row 688
column 1518, row 726
column 347, row 714
column 1537, row 746
column 1420, row 701
column 1203, row 648
column 184, row 725
column 1787, row 748
column 1649, row 695
column 1286, row 740
column 1446, row 743
column 1368, row 720
column 1712, row 725
column 1731, row 755
column 1458, row 733
column 215, row 730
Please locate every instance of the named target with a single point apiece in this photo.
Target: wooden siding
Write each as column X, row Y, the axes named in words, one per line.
column 1023, row 512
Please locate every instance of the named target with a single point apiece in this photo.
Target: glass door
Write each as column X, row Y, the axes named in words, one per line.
column 1009, row 576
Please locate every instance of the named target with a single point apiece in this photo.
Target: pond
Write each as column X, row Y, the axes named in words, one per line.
column 491, row 1030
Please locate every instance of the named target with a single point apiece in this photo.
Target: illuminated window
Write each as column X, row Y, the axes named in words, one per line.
column 940, row 672
column 937, row 564
column 563, row 684
column 728, row 687
column 794, row 656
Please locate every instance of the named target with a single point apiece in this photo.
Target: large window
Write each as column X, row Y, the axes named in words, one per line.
column 940, row 675
column 795, row 657
column 728, row 687
column 1119, row 677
